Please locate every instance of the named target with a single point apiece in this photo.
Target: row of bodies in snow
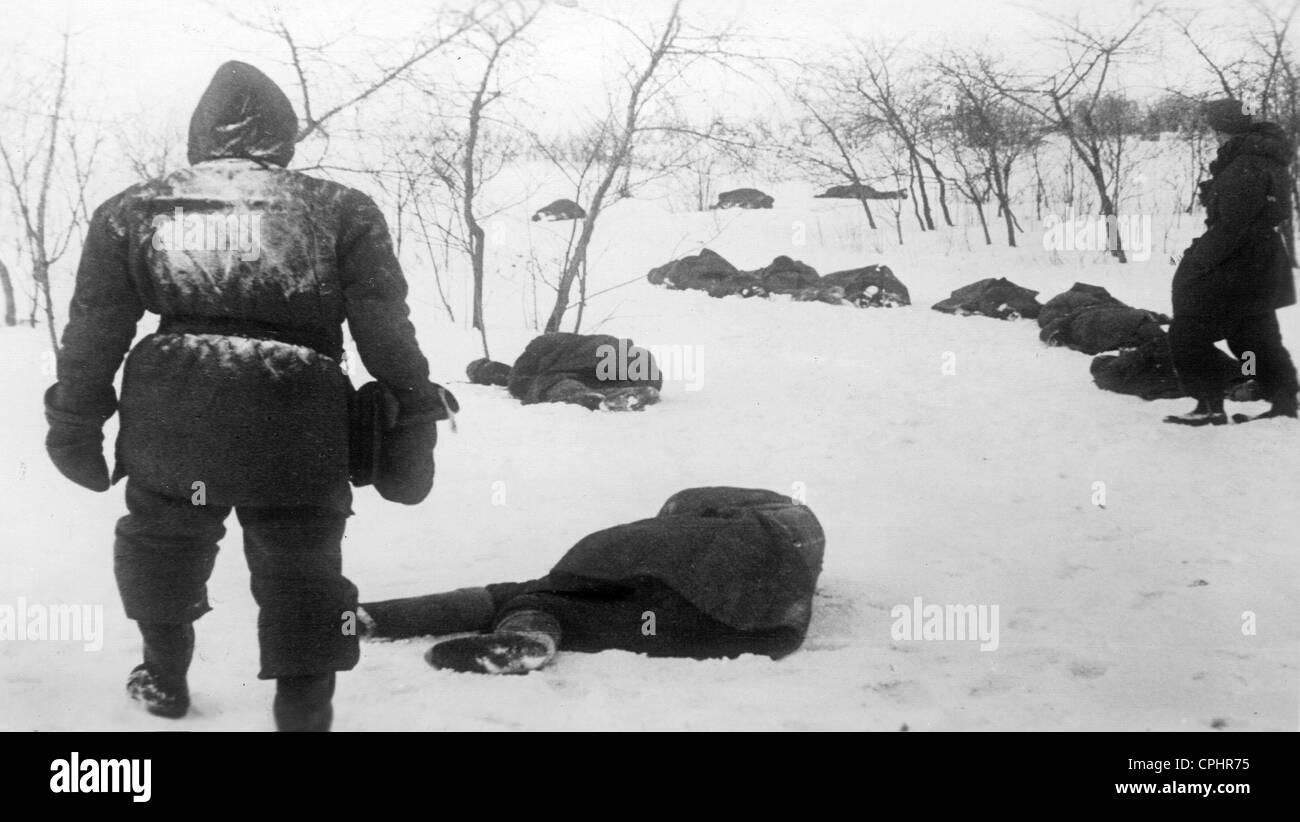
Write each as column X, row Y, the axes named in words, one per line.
column 564, row 209
column 1089, row 319
column 1130, row 345
column 873, row 286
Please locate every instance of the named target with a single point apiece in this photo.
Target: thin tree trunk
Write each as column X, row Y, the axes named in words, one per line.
column 916, row 209
column 11, row 309
column 582, row 297
column 984, row 223
column 920, row 184
column 943, row 189
column 871, row 220
column 42, row 277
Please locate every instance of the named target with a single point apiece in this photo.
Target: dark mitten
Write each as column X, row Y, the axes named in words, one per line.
column 411, row 419
column 406, row 466
column 75, row 443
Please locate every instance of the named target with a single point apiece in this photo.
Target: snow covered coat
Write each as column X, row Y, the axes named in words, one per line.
column 253, row 269
column 1239, row 266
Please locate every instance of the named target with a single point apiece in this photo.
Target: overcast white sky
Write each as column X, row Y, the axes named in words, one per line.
column 148, row 49
column 152, row 58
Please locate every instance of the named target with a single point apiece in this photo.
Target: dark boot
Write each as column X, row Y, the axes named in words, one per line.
column 523, row 641
column 304, row 703
column 160, row 681
column 1208, row 411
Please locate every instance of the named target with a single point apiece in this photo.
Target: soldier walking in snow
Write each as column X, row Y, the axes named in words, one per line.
column 1234, row 276
column 238, row 401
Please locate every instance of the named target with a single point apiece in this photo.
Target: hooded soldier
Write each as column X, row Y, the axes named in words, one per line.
column 238, row 400
column 1235, row 276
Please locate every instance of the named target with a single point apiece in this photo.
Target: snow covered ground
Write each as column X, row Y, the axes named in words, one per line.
column 974, row 487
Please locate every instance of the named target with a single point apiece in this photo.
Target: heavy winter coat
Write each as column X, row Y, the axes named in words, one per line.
column 999, row 298
column 1099, row 328
column 872, row 285
column 1079, row 297
column 1239, row 266
column 748, row 558
column 599, row 361
column 254, row 269
column 1147, row 371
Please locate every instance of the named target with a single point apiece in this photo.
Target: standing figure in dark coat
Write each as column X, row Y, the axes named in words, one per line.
column 238, row 401
column 718, row 573
column 1234, row 276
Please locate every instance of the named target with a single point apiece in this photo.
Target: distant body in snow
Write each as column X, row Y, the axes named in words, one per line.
column 1233, row 278
column 560, row 210
column 861, row 191
column 744, row 198
column 998, row 298
column 238, row 401
column 596, row 371
column 708, row 271
column 719, row 572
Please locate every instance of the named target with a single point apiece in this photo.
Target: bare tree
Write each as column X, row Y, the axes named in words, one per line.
column 909, row 110
column 1078, row 102
column 1263, row 70
column 54, row 164
column 664, row 57
column 457, row 161
column 989, row 133
column 829, row 139
column 309, row 59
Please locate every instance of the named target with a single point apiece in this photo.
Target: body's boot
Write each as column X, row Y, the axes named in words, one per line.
column 1208, row 411
column 523, row 641
column 304, row 703
column 160, row 681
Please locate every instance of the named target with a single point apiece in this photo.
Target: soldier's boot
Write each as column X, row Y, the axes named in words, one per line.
column 304, row 703
column 159, row 683
column 1208, row 411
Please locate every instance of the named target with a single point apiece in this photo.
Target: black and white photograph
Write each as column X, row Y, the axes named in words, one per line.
column 650, row 365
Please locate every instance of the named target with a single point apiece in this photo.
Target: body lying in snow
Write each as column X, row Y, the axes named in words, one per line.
column 744, row 198
column 869, row 286
column 1087, row 318
column 999, row 298
column 559, row 210
column 1148, row 372
column 596, row 371
column 719, row 572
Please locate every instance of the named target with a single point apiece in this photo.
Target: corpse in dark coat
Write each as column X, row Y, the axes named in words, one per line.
column 722, row 571
column 592, row 360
